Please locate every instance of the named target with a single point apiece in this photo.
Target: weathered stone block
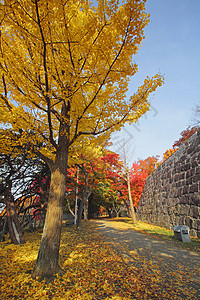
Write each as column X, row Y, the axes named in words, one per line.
column 178, row 184
column 172, row 218
column 190, row 149
column 183, row 158
column 194, row 163
column 182, row 220
column 183, row 200
column 198, row 156
column 177, row 209
column 185, row 189
column 196, row 178
column 189, row 181
column 194, row 212
column 195, row 224
column 193, row 232
column 188, row 221
column 193, row 188
column 177, row 220
column 184, row 210
column 194, row 199
column 171, row 210
column 187, row 166
column 188, row 173
column 197, row 170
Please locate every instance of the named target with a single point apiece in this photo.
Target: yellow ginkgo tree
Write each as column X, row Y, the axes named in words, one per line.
column 65, row 68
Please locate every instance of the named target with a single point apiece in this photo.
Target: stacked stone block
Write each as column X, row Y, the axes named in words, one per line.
column 171, row 195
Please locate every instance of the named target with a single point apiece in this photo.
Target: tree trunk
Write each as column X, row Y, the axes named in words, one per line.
column 132, row 211
column 127, row 208
column 80, row 212
column 15, row 230
column 47, row 263
column 109, row 212
column 86, row 209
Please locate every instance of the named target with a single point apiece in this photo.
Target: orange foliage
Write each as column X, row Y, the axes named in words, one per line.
column 168, row 153
column 185, row 135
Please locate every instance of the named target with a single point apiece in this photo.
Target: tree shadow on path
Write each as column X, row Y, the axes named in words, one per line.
column 172, row 265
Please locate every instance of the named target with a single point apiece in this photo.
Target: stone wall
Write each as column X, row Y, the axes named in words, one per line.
column 171, row 195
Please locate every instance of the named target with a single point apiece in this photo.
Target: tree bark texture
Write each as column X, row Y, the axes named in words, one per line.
column 15, row 230
column 47, row 263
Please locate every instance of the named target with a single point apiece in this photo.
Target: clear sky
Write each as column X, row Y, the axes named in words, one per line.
column 172, row 48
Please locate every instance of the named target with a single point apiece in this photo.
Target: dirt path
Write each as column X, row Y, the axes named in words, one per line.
column 175, row 266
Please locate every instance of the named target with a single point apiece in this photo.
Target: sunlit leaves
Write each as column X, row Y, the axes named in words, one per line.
column 72, row 51
column 94, row 270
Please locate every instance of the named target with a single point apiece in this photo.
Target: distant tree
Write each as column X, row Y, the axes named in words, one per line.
column 148, row 165
column 185, row 135
column 196, row 116
column 138, row 175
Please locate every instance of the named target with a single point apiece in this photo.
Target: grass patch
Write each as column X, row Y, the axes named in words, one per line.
column 160, row 232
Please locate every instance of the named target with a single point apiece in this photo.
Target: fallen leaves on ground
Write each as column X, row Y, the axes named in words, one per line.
column 93, row 270
column 167, row 262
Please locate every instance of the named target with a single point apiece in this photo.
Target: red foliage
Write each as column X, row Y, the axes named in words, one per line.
column 185, row 135
column 138, row 175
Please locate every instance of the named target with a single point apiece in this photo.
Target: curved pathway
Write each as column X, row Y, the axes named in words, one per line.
column 160, row 258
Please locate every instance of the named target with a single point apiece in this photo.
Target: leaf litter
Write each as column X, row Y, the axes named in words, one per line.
column 94, row 269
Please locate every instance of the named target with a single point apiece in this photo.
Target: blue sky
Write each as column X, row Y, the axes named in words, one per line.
column 172, row 48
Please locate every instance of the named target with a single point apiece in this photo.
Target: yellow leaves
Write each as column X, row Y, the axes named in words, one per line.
column 73, row 257
column 94, row 270
column 72, row 51
column 139, row 102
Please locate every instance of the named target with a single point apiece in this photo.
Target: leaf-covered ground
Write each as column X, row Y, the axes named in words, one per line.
column 154, row 250
column 94, row 270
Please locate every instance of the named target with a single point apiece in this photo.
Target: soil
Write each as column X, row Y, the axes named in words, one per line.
column 177, row 267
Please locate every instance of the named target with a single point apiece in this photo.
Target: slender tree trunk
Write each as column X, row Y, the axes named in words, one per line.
column 80, row 212
column 15, row 230
column 109, row 212
column 132, row 211
column 86, row 195
column 86, row 209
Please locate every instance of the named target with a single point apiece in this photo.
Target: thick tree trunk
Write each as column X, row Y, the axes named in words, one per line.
column 47, row 263
column 15, row 230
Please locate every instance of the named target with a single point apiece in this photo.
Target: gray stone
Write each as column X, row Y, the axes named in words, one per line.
column 182, row 233
column 172, row 192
